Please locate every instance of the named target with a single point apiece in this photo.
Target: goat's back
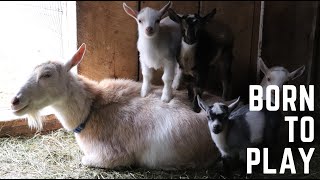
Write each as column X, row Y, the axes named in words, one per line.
column 146, row 131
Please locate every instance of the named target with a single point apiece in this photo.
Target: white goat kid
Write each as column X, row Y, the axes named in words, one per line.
column 114, row 126
column 158, row 45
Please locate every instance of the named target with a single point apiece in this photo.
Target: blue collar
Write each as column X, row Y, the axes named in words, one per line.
column 82, row 125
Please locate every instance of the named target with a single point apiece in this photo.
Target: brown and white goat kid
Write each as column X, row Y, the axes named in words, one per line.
column 114, row 126
column 201, row 50
column 158, row 45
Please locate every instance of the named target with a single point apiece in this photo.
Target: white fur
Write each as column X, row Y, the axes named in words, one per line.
column 187, row 56
column 158, row 50
column 256, row 122
column 219, row 140
column 216, row 108
column 124, row 129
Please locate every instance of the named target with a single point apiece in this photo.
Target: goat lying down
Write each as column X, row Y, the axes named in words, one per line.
column 114, row 126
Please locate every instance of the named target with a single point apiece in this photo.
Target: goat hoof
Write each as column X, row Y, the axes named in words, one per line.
column 144, row 92
column 165, row 98
column 175, row 86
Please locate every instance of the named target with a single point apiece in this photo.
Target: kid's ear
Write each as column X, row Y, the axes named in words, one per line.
column 263, row 66
column 202, row 104
column 298, row 72
column 130, row 11
column 174, row 16
column 233, row 105
column 165, row 8
column 209, row 16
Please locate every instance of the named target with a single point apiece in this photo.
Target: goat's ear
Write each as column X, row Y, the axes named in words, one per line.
column 174, row 16
column 263, row 66
column 233, row 105
column 209, row 16
column 202, row 104
column 298, row 72
column 77, row 57
column 165, row 8
column 130, row 11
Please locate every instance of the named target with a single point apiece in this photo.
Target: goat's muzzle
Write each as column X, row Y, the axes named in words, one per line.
column 15, row 101
column 149, row 31
column 216, row 129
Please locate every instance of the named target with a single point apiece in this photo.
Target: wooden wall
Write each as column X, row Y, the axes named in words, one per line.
column 288, row 37
column 110, row 36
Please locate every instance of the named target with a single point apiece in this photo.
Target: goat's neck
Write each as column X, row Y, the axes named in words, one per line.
column 75, row 105
column 185, row 47
column 221, row 141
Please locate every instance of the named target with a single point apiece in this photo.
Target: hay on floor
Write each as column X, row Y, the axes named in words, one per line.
column 57, row 155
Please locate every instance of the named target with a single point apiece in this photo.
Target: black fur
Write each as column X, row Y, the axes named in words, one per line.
column 206, row 55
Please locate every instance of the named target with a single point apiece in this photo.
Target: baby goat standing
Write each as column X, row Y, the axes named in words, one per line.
column 235, row 131
column 158, row 45
column 201, row 50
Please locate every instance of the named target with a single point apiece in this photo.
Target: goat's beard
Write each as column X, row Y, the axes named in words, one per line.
column 35, row 120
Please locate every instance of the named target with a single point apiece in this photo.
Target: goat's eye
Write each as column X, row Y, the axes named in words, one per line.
column 158, row 21
column 140, row 21
column 45, row 75
column 269, row 79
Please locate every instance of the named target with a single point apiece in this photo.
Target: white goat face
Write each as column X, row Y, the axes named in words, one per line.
column 148, row 19
column 45, row 86
column 278, row 75
column 148, row 22
column 275, row 76
column 42, row 88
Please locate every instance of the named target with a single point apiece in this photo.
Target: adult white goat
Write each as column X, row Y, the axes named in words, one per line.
column 113, row 125
column 158, row 45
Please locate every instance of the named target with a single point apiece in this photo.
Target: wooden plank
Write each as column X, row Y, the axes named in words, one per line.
column 255, row 43
column 19, row 127
column 288, row 35
column 182, row 7
column 110, row 35
column 239, row 16
column 315, row 76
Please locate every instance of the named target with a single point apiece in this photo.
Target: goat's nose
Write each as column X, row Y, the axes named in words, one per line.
column 15, row 101
column 217, row 129
column 149, row 29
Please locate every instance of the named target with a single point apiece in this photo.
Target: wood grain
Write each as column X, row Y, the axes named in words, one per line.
column 19, row 127
column 239, row 16
column 111, row 37
column 288, row 35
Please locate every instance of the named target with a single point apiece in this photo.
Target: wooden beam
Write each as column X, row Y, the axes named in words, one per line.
column 19, row 127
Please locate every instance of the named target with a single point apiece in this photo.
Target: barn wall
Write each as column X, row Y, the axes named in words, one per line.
column 288, row 37
column 110, row 35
